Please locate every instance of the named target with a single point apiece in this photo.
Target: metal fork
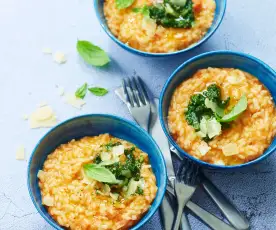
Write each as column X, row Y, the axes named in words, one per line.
column 137, row 101
column 185, row 186
column 140, row 108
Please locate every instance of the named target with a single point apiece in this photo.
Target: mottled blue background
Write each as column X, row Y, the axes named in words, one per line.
column 28, row 77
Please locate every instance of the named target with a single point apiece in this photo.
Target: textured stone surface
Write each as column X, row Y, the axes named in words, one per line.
column 28, row 77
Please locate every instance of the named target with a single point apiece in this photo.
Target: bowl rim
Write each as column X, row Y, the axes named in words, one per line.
column 179, row 68
column 148, row 54
column 162, row 190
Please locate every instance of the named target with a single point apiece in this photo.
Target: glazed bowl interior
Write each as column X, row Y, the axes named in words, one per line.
column 219, row 59
column 219, row 14
column 91, row 125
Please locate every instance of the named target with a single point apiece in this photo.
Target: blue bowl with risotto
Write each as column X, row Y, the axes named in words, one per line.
column 159, row 28
column 97, row 170
column 218, row 109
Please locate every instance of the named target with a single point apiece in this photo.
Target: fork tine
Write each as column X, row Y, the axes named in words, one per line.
column 139, row 99
column 129, row 99
column 142, row 91
column 134, row 92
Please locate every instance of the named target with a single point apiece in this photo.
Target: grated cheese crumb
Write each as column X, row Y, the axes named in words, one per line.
column 25, row 117
column 61, row 90
column 59, row 57
column 47, row 51
column 43, row 103
column 20, row 153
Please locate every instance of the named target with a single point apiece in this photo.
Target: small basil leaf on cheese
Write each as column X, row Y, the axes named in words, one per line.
column 100, row 174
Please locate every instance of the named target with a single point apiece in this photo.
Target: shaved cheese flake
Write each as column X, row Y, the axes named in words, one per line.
column 48, row 201
column 230, row 149
column 43, row 113
column 20, row 153
column 71, row 99
column 42, row 118
column 105, row 156
column 118, row 150
column 203, row 148
column 219, row 162
column 47, row 51
column 40, row 174
column 59, row 57
column 149, row 25
column 114, row 196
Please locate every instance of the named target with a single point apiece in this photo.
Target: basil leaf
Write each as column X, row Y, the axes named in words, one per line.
column 143, row 10
column 92, row 54
column 100, row 173
column 98, row 91
column 122, row 4
column 236, row 111
column 81, row 92
column 214, row 107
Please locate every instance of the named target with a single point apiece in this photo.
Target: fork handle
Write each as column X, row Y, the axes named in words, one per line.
column 178, row 217
column 226, row 207
column 212, row 221
column 167, row 213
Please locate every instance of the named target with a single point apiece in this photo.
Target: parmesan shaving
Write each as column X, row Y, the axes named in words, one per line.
column 203, row 148
column 71, row 99
column 42, row 118
column 48, row 201
column 118, row 150
column 230, row 149
column 219, row 162
column 20, row 153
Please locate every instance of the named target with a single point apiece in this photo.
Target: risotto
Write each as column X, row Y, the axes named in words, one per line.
column 99, row 182
column 145, row 29
column 244, row 123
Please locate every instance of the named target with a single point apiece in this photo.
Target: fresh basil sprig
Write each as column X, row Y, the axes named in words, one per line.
column 98, row 91
column 100, row 173
column 92, row 54
column 81, row 92
column 122, row 4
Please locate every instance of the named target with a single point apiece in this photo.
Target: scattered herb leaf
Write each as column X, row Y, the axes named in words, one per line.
column 81, row 92
column 98, row 91
column 92, row 54
column 122, row 4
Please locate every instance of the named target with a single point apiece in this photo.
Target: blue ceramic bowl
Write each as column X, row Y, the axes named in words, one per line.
column 220, row 59
column 91, row 125
column 219, row 14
